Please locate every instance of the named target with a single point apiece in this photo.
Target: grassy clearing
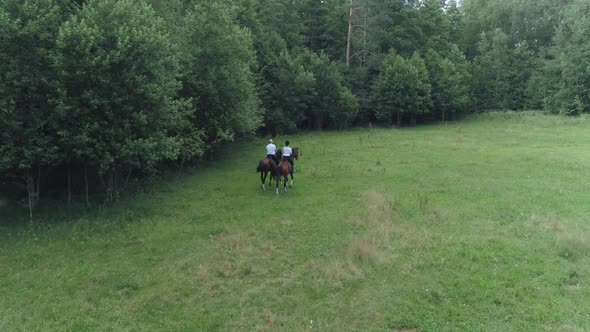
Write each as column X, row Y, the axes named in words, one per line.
column 478, row 225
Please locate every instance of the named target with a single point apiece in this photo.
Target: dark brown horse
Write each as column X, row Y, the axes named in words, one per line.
column 265, row 166
column 282, row 171
column 295, row 153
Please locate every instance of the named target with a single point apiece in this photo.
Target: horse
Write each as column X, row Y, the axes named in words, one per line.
column 283, row 170
column 265, row 166
column 295, row 153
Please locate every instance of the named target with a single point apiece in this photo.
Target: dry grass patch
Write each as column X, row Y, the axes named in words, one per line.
column 573, row 244
column 566, row 328
column 572, row 237
column 364, row 252
column 236, row 258
column 334, row 273
column 385, row 228
column 375, row 233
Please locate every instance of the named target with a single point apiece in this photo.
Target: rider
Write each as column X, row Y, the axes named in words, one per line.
column 271, row 150
column 287, row 155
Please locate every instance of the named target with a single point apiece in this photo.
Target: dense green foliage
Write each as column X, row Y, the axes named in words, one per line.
column 118, row 107
column 479, row 225
column 118, row 89
column 218, row 76
column 28, row 89
column 402, row 87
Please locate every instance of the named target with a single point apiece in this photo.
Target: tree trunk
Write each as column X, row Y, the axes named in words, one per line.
column 38, row 191
column 443, row 116
column 86, row 183
column 69, row 183
column 398, row 119
column 349, row 39
column 365, row 28
column 131, row 169
column 109, row 185
column 115, row 186
column 30, row 187
column 319, row 123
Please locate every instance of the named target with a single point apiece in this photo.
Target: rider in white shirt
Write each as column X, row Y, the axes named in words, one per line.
column 287, row 154
column 271, row 150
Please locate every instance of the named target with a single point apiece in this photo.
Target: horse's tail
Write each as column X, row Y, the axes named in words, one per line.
column 260, row 167
column 278, row 170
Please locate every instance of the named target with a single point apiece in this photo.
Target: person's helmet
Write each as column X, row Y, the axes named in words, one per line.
column 270, row 141
column 287, row 143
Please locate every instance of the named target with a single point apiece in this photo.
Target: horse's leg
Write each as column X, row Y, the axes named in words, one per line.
column 263, row 180
column 285, row 180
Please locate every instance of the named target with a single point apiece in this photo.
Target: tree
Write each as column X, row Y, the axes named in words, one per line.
column 394, row 25
column 118, row 108
column 315, row 23
column 545, row 81
column 333, row 104
column 401, row 88
column 455, row 22
column 449, row 81
column 533, row 22
column 291, row 95
column 501, row 72
column 421, row 90
column 218, row 63
column 573, row 50
column 28, row 89
column 491, row 71
column 435, row 26
column 275, row 74
column 285, row 18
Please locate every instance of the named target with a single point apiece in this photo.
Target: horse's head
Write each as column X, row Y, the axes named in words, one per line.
column 279, row 154
column 295, row 153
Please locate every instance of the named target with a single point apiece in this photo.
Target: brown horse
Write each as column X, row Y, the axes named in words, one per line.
column 282, row 171
column 265, row 166
column 295, row 154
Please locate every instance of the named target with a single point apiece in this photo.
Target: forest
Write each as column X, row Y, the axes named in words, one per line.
column 97, row 93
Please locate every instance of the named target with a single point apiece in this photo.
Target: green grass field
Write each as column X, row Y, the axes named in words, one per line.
column 480, row 225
